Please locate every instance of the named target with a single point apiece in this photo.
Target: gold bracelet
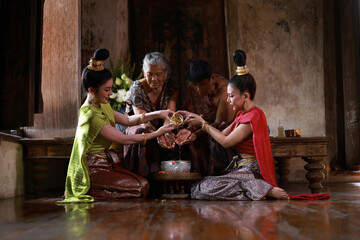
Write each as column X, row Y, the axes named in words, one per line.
column 142, row 117
column 203, row 126
column 144, row 138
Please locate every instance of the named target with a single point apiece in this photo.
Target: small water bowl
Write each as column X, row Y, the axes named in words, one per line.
column 177, row 119
column 176, row 166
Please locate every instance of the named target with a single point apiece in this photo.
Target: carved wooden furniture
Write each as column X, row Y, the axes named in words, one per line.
column 176, row 185
column 46, row 162
column 312, row 150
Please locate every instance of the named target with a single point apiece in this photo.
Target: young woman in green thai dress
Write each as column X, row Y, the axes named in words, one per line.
column 95, row 170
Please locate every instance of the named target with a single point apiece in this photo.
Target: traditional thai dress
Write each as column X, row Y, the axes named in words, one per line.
column 145, row 159
column 246, row 182
column 92, row 171
column 255, row 175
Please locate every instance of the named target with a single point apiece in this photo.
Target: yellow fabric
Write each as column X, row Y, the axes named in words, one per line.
column 91, row 121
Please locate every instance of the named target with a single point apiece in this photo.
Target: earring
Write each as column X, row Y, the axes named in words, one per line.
column 244, row 106
column 92, row 102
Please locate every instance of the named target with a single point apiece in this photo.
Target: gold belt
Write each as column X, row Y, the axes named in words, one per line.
column 245, row 159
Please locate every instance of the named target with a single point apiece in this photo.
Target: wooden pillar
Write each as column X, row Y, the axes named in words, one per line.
column 333, row 85
column 60, row 70
column 350, row 30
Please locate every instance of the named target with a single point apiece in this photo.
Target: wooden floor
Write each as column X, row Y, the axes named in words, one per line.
column 337, row 218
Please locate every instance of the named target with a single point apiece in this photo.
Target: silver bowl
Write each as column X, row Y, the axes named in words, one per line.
column 176, row 166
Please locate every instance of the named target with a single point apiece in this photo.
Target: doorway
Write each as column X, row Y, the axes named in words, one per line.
column 182, row 31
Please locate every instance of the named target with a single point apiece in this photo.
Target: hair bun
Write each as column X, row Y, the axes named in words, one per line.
column 101, row 54
column 239, row 57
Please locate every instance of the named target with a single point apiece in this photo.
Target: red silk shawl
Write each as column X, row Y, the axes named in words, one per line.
column 261, row 141
column 256, row 117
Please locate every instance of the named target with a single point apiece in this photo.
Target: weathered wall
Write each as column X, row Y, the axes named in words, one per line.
column 60, row 71
column 11, row 169
column 104, row 24
column 284, row 44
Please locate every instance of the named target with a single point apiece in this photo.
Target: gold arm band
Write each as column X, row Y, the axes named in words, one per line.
column 203, row 126
column 144, row 138
column 142, row 117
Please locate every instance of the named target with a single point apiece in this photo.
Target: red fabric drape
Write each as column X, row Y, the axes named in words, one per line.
column 261, row 141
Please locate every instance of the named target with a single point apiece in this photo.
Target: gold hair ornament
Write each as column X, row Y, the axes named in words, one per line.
column 242, row 70
column 96, row 65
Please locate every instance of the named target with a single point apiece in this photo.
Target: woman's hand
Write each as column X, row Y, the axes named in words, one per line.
column 165, row 129
column 165, row 114
column 192, row 119
column 185, row 136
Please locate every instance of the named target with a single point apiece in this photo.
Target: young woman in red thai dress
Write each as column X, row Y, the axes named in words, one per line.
column 253, row 174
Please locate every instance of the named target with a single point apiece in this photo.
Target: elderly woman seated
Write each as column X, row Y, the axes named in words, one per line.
column 154, row 92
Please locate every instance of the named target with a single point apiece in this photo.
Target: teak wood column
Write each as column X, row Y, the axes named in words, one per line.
column 61, row 74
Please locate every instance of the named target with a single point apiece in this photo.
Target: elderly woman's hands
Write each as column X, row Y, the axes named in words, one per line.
column 167, row 140
column 185, row 136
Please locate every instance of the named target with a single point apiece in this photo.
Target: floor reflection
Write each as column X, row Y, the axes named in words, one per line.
column 11, row 209
column 247, row 220
column 77, row 216
column 336, row 218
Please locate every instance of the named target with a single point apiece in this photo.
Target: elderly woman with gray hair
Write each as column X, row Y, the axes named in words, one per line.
column 153, row 92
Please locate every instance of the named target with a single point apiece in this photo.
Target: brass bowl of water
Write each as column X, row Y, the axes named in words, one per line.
column 177, row 119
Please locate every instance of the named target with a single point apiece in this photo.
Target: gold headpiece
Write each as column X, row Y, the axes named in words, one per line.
column 96, row 65
column 242, row 70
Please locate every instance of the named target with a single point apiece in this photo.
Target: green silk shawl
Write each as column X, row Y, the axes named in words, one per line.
column 91, row 121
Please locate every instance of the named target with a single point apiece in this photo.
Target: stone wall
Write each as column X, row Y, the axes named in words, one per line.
column 11, row 169
column 284, row 43
column 104, row 24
